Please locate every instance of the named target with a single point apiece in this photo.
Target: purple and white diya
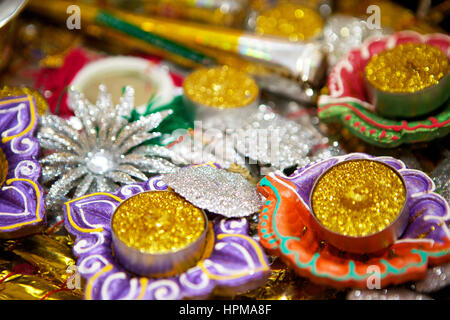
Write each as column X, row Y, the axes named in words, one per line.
column 230, row 261
column 22, row 209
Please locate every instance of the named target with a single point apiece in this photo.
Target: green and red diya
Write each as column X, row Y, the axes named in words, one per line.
column 392, row 90
column 347, row 219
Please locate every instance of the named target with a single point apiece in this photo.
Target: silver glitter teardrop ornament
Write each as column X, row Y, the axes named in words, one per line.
column 100, row 155
column 216, row 190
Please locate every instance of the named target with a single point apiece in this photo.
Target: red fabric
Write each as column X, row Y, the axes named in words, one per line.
column 53, row 81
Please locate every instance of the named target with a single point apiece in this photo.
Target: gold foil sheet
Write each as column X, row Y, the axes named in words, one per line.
column 284, row 284
column 38, row 267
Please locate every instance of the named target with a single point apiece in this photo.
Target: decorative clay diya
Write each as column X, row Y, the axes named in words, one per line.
column 348, row 102
column 231, row 260
column 286, row 226
column 22, row 209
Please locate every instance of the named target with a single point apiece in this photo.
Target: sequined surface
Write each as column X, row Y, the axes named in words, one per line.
column 3, row 167
column 289, row 20
column 220, row 87
column 358, row 198
column 158, row 222
column 408, row 67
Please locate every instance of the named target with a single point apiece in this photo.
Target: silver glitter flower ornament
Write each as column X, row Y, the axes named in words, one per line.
column 102, row 154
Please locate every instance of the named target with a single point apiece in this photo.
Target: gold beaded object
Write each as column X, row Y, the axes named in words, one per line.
column 41, row 103
column 220, row 87
column 290, row 20
column 158, row 222
column 3, row 167
column 358, row 198
column 407, row 68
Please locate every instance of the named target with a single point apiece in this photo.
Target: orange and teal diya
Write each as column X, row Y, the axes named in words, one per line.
column 333, row 221
column 392, row 90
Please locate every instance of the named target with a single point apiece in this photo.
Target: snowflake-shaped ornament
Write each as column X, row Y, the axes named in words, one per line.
column 102, row 154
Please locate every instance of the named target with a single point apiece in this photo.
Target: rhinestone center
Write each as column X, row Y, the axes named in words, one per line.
column 100, row 162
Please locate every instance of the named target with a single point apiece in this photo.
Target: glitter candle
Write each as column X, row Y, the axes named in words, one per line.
column 158, row 233
column 359, row 205
column 408, row 80
column 290, row 20
column 221, row 93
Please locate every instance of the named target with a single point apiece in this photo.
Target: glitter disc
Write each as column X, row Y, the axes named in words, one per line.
column 358, row 198
column 3, row 167
column 220, row 87
column 290, row 20
column 408, row 67
column 216, row 190
column 158, row 222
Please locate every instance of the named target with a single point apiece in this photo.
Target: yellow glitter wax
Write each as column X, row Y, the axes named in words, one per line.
column 289, row 20
column 158, row 222
column 408, row 67
column 221, row 87
column 358, row 198
column 3, row 167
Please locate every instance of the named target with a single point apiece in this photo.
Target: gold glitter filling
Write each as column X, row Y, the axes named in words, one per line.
column 289, row 20
column 3, row 167
column 220, row 87
column 408, row 67
column 358, row 198
column 158, row 222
